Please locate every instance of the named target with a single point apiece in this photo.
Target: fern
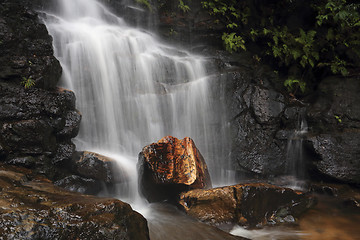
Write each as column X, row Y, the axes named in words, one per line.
column 28, row 82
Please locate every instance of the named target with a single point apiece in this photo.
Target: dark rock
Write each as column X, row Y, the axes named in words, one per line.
column 33, row 208
column 336, row 105
column 26, row 47
column 64, row 155
column 252, row 205
column 169, row 167
column 98, row 167
column 79, row 184
column 27, row 136
column 26, row 161
column 36, row 122
column 267, row 104
column 72, row 125
column 338, row 155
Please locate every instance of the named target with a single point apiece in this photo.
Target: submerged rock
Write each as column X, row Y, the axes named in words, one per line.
column 169, row 167
column 252, row 205
column 33, row 208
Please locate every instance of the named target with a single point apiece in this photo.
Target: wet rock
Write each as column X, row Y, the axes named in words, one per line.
column 35, row 122
column 27, row 136
column 101, row 168
column 255, row 110
column 64, row 155
column 26, row 161
column 79, row 184
column 338, row 155
column 267, row 104
column 169, row 167
column 26, row 47
column 72, row 125
column 33, row 208
column 252, row 205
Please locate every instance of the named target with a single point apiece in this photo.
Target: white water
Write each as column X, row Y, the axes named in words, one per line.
column 295, row 158
column 132, row 89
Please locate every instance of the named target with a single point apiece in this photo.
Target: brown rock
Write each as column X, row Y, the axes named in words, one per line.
column 169, row 167
column 33, row 208
column 251, row 205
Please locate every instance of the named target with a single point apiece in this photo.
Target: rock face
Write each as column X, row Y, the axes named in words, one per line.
column 169, row 167
column 26, row 47
column 252, row 205
column 335, row 121
column 33, row 208
column 37, row 119
column 257, row 113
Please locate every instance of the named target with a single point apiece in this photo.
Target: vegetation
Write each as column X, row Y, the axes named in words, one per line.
column 28, row 82
column 316, row 38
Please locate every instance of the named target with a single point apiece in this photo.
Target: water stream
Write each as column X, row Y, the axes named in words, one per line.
column 132, row 90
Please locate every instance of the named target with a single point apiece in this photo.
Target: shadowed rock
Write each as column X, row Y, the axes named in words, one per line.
column 252, row 205
column 99, row 167
column 169, row 167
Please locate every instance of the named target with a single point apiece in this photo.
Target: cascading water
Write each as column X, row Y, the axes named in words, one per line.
column 295, row 154
column 131, row 89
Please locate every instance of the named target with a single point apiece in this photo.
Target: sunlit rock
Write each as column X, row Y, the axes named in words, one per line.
column 169, row 167
column 33, row 208
column 252, row 205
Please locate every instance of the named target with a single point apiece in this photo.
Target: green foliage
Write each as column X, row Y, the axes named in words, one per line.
column 233, row 42
column 28, row 82
column 325, row 41
column 338, row 118
column 183, row 7
column 293, row 85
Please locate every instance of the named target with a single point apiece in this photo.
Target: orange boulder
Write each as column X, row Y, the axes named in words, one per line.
column 169, row 167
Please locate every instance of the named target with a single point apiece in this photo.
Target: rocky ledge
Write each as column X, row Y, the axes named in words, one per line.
column 251, row 205
column 33, row 208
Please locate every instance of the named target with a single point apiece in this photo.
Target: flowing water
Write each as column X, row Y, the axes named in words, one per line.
column 133, row 90
column 295, row 158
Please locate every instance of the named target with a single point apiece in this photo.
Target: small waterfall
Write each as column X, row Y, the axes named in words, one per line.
column 295, row 158
column 132, row 89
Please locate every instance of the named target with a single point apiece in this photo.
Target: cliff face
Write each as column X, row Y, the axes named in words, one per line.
column 37, row 119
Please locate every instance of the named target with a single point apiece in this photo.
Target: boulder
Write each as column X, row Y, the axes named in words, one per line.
column 169, row 167
column 33, row 208
column 99, row 167
column 252, row 205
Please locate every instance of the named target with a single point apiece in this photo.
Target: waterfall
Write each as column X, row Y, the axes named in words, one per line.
column 295, row 158
column 131, row 88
